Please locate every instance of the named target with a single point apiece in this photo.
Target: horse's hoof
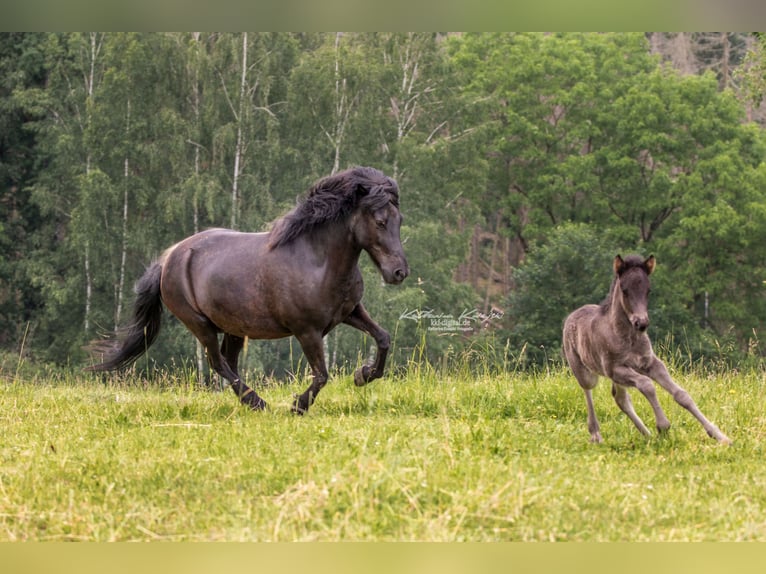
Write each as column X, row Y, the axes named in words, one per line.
column 362, row 376
column 258, row 404
column 297, row 408
column 723, row 439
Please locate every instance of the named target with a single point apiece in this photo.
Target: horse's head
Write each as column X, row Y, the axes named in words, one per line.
column 376, row 224
column 633, row 288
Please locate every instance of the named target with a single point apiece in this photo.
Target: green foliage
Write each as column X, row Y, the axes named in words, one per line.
column 116, row 145
column 591, row 128
column 21, row 68
column 572, row 268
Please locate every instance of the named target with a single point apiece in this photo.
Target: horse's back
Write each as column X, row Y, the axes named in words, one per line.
column 215, row 236
column 581, row 318
column 217, row 247
column 221, row 274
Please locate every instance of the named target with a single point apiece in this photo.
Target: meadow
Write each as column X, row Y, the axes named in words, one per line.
column 426, row 454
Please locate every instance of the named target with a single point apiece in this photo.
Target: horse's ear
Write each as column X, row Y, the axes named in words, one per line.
column 362, row 190
column 649, row 264
column 619, row 265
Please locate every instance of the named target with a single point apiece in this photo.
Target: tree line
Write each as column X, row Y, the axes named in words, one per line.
column 526, row 162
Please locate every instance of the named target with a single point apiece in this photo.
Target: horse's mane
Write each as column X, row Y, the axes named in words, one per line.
column 332, row 199
column 629, row 262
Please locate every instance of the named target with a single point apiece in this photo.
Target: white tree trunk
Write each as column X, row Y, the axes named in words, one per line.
column 124, row 247
column 404, row 105
column 88, row 287
column 199, row 351
column 239, row 146
column 95, row 48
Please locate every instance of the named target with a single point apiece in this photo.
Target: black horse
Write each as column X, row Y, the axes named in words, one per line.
column 301, row 278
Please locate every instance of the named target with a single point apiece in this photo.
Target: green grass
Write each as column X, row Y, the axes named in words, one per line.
column 422, row 457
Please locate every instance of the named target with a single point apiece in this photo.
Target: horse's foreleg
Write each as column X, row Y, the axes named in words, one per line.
column 659, row 373
column 311, row 343
column 360, row 319
column 231, row 346
column 631, row 378
column 622, row 398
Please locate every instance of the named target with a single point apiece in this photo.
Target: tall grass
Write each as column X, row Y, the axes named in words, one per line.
column 449, row 452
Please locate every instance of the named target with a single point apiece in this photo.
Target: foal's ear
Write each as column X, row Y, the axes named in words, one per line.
column 619, row 265
column 649, row 264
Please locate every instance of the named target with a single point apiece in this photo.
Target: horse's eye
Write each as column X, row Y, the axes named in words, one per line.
column 381, row 223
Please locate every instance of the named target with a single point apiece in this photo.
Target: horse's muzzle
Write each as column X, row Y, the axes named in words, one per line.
column 400, row 274
column 396, row 273
column 640, row 323
column 393, row 268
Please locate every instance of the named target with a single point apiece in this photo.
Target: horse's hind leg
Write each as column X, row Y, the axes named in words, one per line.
column 659, row 373
column 230, row 349
column 622, row 398
column 593, row 427
column 207, row 334
column 311, row 343
column 588, row 381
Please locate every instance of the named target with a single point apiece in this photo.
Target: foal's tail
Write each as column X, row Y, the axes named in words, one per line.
column 132, row 341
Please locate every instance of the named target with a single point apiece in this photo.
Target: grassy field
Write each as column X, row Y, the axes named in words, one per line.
column 425, row 456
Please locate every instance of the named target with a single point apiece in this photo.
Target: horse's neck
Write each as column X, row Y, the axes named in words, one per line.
column 617, row 316
column 334, row 249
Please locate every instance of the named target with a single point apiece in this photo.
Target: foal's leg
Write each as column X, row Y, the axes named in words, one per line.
column 230, row 349
column 629, row 377
column 659, row 373
column 593, row 426
column 360, row 319
column 311, row 343
column 588, row 381
column 622, row 398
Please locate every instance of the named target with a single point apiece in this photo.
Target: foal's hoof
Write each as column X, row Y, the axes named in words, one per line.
column 723, row 439
column 362, row 376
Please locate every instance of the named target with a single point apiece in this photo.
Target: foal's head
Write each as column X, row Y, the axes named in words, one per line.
column 632, row 288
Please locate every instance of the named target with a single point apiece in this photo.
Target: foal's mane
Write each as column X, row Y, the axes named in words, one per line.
column 629, row 262
column 332, row 199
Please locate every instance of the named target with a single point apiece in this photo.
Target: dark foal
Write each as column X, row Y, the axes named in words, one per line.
column 610, row 340
column 301, row 278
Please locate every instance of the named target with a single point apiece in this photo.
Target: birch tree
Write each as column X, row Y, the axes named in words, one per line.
column 410, row 60
column 325, row 92
column 245, row 70
column 65, row 275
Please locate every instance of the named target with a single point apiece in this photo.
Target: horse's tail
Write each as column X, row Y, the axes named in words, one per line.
column 132, row 341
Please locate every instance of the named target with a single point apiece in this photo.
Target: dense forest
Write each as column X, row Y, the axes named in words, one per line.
column 526, row 162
